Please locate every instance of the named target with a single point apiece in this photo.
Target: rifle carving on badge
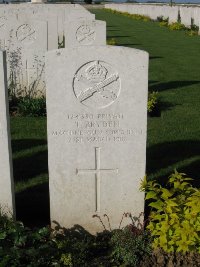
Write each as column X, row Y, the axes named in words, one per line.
column 99, row 87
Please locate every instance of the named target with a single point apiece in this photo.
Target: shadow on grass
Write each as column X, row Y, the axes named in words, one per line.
column 156, row 57
column 171, row 85
column 183, row 155
column 111, row 26
column 118, row 36
column 22, row 144
column 32, row 206
column 27, row 167
column 129, row 45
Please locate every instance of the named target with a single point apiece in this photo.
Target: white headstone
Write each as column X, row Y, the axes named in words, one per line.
column 52, row 25
column 186, row 15
column 26, row 47
column 7, row 199
column 85, row 32
column 38, row 1
column 97, row 121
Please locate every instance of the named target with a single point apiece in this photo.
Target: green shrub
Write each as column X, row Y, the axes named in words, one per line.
column 126, row 14
column 42, row 247
column 175, row 216
column 194, row 30
column 194, row 27
column 111, row 41
column 163, row 24
column 152, row 101
column 61, row 44
column 177, row 26
column 131, row 244
column 192, row 33
column 32, row 107
column 162, row 19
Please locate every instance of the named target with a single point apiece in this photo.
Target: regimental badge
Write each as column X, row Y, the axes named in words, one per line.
column 25, row 33
column 85, row 34
column 96, row 84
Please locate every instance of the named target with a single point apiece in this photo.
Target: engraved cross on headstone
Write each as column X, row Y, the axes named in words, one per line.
column 97, row 171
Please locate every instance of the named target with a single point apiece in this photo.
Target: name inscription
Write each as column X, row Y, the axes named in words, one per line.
column 88, row 128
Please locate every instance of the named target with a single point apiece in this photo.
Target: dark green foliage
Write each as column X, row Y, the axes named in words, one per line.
column 33, row 107
column 43, row 247
column 130, row 245
column 27, row 106
column 21, row 247
column 162, row 19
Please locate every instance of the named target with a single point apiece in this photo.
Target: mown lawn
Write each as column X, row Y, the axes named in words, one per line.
column 173, row 137
column 30, row 165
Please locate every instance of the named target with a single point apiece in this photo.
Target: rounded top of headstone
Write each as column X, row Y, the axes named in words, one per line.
column 38, row 1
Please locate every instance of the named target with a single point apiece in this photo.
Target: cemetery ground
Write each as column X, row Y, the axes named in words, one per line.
column 173, row 134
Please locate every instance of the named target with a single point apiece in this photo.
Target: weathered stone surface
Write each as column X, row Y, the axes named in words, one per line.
column 85, row 32
column 97, row 119
column 186, row 15
column 7, row 199
column 26, row 47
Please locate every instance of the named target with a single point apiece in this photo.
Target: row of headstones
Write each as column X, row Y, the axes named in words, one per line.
column 96, row 124
column 187, row 14
column 27, row 31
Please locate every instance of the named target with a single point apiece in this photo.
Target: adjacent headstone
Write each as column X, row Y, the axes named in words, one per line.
column 173, row 14
column 52, row 25
column 186, row 16
column 97, row 120
column 26, row 47
column 7, row 199
column 38, row 1
column 85, row 32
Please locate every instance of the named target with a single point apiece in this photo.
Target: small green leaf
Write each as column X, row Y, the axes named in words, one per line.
column 2, row 235
column 157, row 205
column 151, row 194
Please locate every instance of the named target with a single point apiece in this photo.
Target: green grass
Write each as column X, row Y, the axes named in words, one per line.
column 173, row 138
column 29, row 146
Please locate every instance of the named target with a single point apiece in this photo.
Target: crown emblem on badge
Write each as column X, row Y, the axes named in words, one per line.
column 96, row 73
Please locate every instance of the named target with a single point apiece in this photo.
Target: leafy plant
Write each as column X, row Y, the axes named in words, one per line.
column 162, row 19
column 175, row 216
column 111, row 41
column 126, row 14
column 33, row 107
column 192, row 33
column 177, row 26
column 152, row 101
column 194, row 28
column 163, row 24
column 42, row 247
column 131, row 244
